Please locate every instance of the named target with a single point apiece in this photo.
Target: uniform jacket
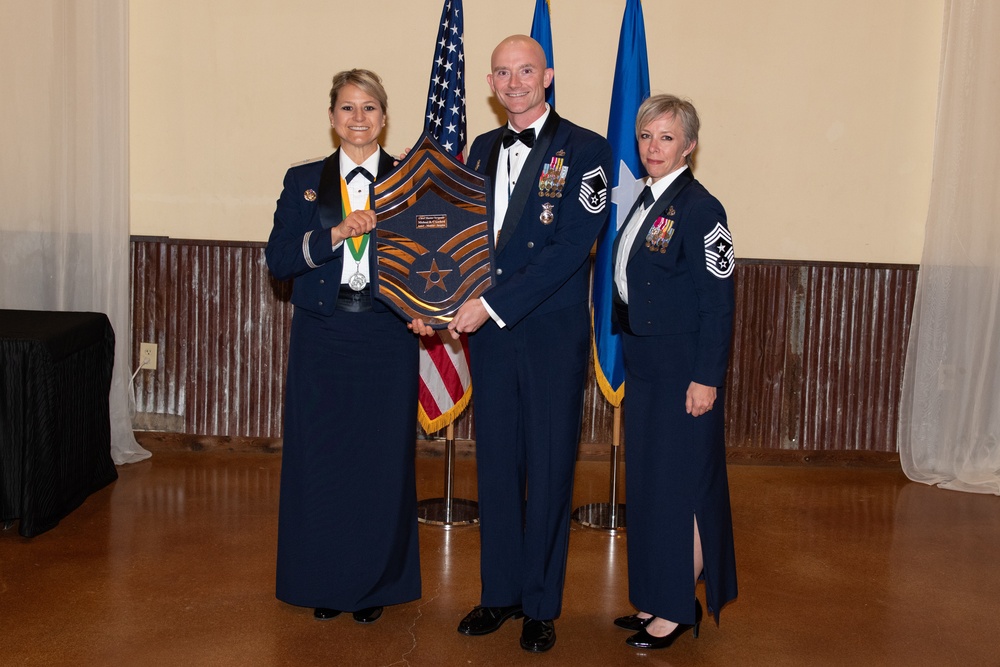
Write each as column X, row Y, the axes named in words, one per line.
column 299, row 246
column 688, row 287
column 541, row 268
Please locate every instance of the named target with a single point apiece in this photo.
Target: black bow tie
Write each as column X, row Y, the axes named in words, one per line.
column 526, row 137
column 647, row 197
column 362, row 171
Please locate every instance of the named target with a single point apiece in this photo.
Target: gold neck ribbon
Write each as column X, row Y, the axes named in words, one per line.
column 356, row 244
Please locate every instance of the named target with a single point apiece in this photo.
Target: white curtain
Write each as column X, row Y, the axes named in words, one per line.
column 64, row 172
column 949, row 431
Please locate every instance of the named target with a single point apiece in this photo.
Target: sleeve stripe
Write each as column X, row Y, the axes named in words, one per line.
column 305, row 251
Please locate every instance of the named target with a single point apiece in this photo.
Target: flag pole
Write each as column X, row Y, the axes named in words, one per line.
column 445, row 122
column 448, row 511
column 616, row 510
column 630, row 88
column 608, row 516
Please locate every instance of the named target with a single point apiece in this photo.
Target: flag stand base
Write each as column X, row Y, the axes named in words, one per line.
column 601, row 515
column 435, row 511
column 608, row 516
column 448, row 511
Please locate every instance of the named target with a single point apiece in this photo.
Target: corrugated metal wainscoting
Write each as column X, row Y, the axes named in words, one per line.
column 817, row 359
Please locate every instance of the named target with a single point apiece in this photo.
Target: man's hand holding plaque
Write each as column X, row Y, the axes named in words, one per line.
column 470, row 316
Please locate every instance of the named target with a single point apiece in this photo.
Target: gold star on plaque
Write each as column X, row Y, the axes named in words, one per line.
column 435, row 276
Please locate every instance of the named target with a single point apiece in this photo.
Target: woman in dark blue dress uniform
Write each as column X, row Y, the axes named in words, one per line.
column 674, row 305
column 347, row 522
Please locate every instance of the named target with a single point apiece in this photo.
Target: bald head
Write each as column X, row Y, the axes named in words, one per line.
column 522, row 41
column 518, row 77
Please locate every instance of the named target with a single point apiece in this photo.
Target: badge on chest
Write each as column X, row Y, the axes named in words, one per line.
column 659, row 235
column 553, row 178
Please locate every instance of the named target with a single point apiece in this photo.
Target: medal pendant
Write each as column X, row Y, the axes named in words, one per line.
column 357, row 282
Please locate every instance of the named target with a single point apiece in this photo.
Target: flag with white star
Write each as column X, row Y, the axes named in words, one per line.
column 445, row 116
column 445, row 378
column 630, row 88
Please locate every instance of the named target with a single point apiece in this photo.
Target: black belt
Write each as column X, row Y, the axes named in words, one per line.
column 621, row 310
column 354, row 302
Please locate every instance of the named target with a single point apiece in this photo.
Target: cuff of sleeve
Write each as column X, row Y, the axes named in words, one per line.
column 316, row 248
column 496, row 318
column 710, row 376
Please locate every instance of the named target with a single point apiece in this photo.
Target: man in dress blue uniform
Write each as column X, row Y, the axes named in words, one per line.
column 529, row 341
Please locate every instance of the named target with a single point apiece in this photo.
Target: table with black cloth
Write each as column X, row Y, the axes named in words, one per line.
column 55, row 428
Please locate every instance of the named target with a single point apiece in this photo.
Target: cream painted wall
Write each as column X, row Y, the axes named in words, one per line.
column 817, row 115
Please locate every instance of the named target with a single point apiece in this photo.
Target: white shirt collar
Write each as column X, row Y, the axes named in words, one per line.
column 370, row 163
column 661, row 185
column 537, row 125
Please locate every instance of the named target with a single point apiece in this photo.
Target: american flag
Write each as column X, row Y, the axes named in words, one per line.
column 445, row 381
column 445, row 119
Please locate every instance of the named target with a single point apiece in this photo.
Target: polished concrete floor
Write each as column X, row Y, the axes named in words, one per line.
column 173, row 564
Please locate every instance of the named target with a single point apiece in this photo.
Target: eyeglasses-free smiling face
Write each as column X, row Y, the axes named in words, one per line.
column 518, row 78
column 663, row 148
column 357, row 119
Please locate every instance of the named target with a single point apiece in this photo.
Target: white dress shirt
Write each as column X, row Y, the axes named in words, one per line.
column 357, row 193
column 631, row 231
column 509, row 163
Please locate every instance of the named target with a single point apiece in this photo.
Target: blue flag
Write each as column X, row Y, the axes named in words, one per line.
column 631, row 87
column 541, row 32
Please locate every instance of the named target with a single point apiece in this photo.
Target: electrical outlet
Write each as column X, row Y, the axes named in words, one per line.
column 147, row 356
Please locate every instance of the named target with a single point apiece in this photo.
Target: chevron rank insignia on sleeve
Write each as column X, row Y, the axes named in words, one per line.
column 719, row 256
column 594, row 190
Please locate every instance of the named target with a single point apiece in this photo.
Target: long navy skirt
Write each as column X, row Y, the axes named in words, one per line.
column 675, row 470
column 347, row 521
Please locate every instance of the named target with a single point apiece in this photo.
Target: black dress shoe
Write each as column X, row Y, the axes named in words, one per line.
column 538, row 636
column 484, row 620
column 367, row 615
column 324, row 614
column 633, row 622
column 643, row 639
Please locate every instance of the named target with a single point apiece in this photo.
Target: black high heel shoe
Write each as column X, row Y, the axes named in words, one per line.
column 633, row 622
column 643, row 639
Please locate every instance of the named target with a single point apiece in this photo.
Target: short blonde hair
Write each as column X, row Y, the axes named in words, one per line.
column 663, row 105
column 366, row 80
